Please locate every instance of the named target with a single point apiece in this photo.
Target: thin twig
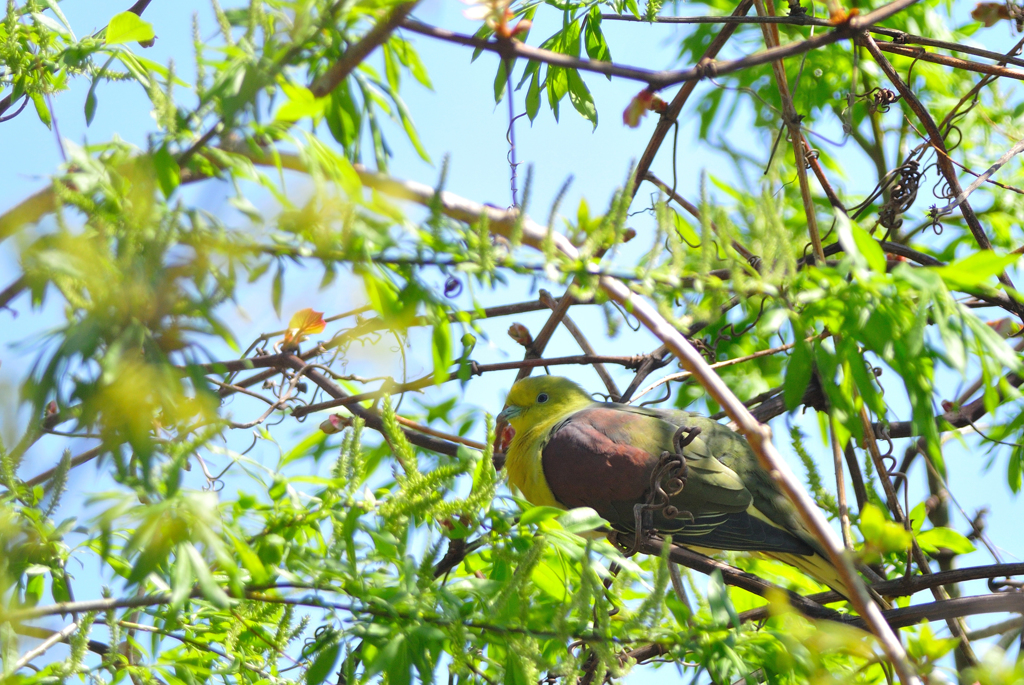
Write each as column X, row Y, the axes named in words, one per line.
column 42, row 648
column 955, row 62
column 428, row 381
column 683, row 375
column 695, row 212
column 936, row 140
column 427, row 430
column 372, row 418
column 536, row 348
column 956, row 626
column 792, row 122
column 581, row 340
column 844, row 509
column 657, row 80
column 898, row 37
column 671, row 114
column 82, row 458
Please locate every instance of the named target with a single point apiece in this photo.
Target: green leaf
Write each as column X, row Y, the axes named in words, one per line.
column 917, row 516
column 932, row 540
column 391, row 67
column 127, row 27
column 207, row 584
column 538, row 514
column 549, row 581
column 926, row 647
column 323, row 665
column 182, row 578
column 301, row 103
column 581, row 519
column 304, row 447
column 500, row 81
column 8, row 647
column 581, row 98
column 722, row 611
column 975, row 269
column 90, row 103
column 168, row 174
column 59, row 588
column 558, row 86
column 798, row 373
column 441, row 350
column 41, row 109
column 533, row 96
column 597, row 46
column 861, row 248
column 277, row 289
column 1015, row 468
column 880, row 534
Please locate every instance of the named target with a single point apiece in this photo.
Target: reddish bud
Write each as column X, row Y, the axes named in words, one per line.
column 989, row 13
column 638, row 107
column 335, row 424
column 1004, row 327
column 841, row 16
column 522, row 27
column 521, row 334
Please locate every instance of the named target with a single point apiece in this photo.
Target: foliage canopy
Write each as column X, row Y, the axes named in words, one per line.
column 278, row 510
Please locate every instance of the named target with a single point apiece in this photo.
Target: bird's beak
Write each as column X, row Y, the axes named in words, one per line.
column 509, row 412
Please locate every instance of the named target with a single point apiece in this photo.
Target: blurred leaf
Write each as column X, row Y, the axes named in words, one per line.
column 538, row 514
column 127, row 27
column 798, row 373
column 947, row 538
column 976, row 269
column 167, row 172
column 1015, row 468
column 722, row 611
column 323, row 665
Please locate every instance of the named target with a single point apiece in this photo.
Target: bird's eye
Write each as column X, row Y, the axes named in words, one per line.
column 543, row 397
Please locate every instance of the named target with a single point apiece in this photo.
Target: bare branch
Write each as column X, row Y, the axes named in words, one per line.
column 945, row 166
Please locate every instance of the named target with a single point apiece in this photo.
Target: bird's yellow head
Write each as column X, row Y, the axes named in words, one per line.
column 539, row 399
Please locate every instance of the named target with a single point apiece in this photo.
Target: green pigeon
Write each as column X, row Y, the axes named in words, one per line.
column 565, row 450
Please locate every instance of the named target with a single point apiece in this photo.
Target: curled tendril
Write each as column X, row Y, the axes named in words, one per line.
column 668, row 394
column 809, row 156
column 878, row 99
column 903, row 192
column 668, row 479
column 936, row 223
column 728, row 332
column 883, row 434
column 452, row 287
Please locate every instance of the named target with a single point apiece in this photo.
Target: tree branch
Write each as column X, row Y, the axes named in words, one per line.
column 671, row 114
column 942, row 158
column 657, row 80
column 354, row 56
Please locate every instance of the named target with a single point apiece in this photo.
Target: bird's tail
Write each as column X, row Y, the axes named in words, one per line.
column 822, row 570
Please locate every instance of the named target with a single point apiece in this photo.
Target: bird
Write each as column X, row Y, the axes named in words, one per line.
column 643, row 469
